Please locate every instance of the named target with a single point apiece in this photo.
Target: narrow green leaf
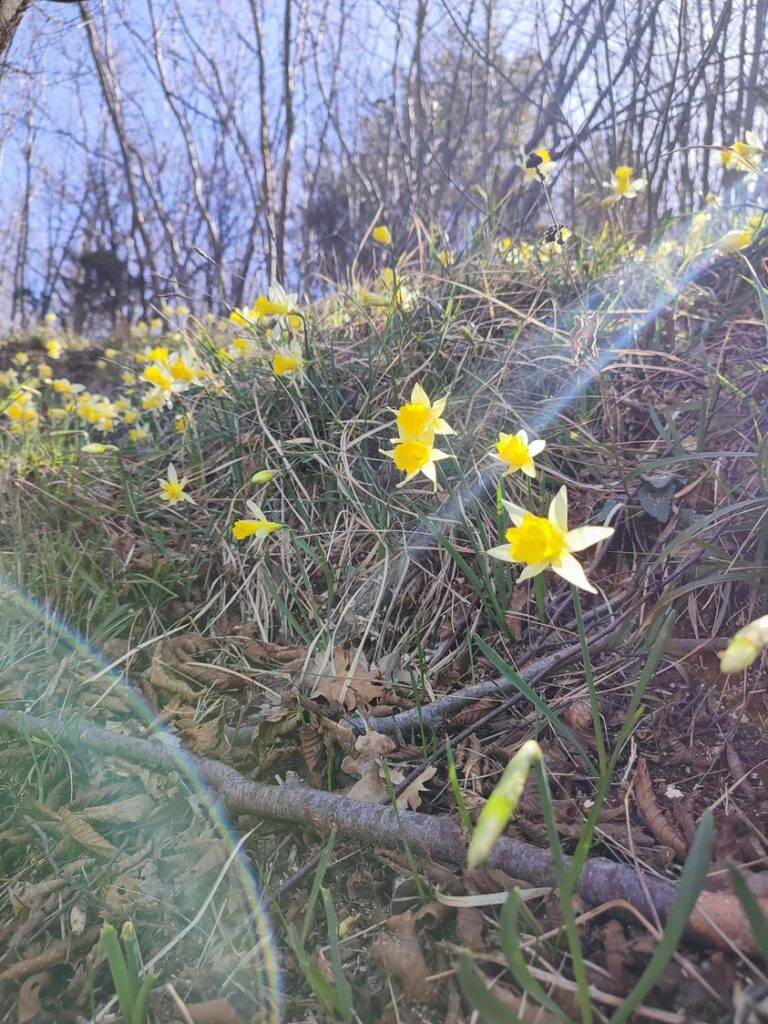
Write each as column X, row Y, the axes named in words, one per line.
column 690, row 885
column 510, row 946
column 538, row 702
column 119, row 970
column 480, row 997
column 343, row 988
column 317, row 882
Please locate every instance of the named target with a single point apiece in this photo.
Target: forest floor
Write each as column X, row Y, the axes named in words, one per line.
column 135, row 629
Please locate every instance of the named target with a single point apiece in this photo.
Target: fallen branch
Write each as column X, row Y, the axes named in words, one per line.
column 435, row 714
column 717, row 920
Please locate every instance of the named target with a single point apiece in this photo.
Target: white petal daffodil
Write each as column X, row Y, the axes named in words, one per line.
column 546, row 543
column 518, row 453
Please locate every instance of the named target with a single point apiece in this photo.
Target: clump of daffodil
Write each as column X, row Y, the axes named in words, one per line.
column 539, row 165
column 256, row 526
column 382, row 235
column 740, row 156
column 288, row 360
column 172, row 489
column 541, row 543
column 623, row 185
column 745, row 646
column 420, row 419
column 22, row 412
column 517, row 453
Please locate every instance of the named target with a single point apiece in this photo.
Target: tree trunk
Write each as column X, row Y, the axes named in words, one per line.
column 10, row 16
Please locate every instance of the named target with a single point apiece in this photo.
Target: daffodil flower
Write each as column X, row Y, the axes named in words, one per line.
column 413, row 457
column 623, row 185
column 740, row 155
column 745, row 646
column 518, row 453
column 539, row 165
column 53, row 348
column 736, row 239
column 288, row 360
column 381, row 234
column 172, row 489
column 421, row 419
column 546, row 543
column 257, row 526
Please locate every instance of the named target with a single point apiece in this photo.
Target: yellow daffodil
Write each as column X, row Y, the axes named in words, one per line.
column 740, row 156
column 623, row 185
column 420, row 419
column 413, row 457
column 736, row 239
column 518, row 453
column 22, row 413
column 381, row 234
column 172, row 489
column 53, row 348
column 288, row 360
column 50, row 318
column 182, row 310
column 257, row 526
column 156, row 399
column 280, row 304
column 63, row 387
column 183, row 369
column 139, row 433
column 21, row 359
column 539, row 165
column 128, row 378
column 745, row 646
column 546, row 543
column 130, row 416
column 505, row 244
column 159, row 376
column 400, row 293
column 264, row 476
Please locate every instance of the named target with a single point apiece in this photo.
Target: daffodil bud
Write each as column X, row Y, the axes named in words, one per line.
column 264, row 476
column 502, row 803
column 745, row 646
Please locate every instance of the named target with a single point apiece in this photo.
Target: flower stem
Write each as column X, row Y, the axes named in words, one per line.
column 589, row 675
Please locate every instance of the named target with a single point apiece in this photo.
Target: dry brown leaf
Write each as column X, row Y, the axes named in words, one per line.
column 399, row 952
column 411, row 795
column 29, row 997
column 130, row 808
column 655, row 818
column 333, row 680
column 213, row 1011
column 78, row 829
